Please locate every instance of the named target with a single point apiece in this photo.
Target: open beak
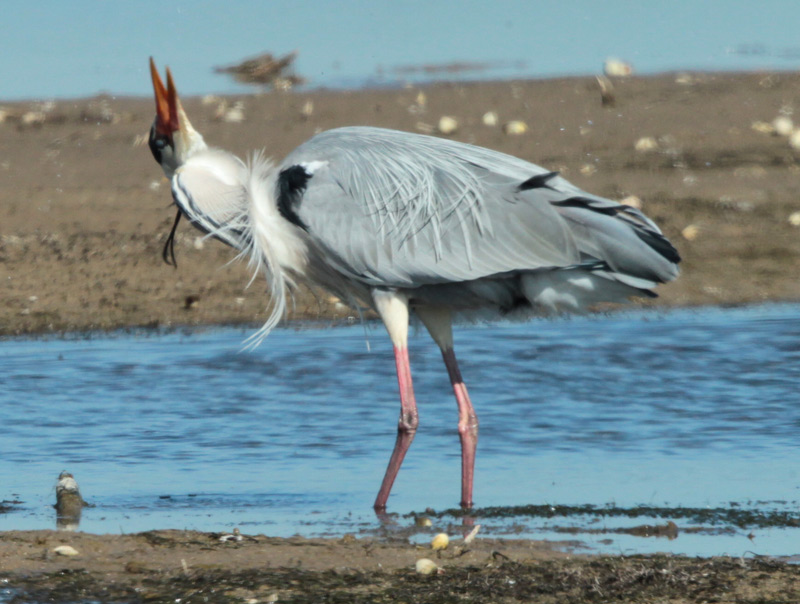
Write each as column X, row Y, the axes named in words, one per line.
column 167, row 104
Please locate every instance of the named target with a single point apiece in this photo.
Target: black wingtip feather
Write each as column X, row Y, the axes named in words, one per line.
column 660, row 244
column 537, row 182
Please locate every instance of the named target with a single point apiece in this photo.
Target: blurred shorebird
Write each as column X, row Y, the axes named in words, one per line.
column 69, row 503
column 265, row 70
column 410, row 224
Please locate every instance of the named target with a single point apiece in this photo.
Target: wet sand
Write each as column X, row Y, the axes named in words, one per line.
column 84, row 213
column 84, row 209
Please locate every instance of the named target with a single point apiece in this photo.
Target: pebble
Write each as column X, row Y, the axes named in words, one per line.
column 794, row 139
column 236, row 536
column 783, row 125
column 425, row 566
column 235, row 114
column 447, row 124
column 440, row 542
column 515, row 127
column 489, row 118
column 794, row 219
column 616, row 68
column 691, row 232
column 763, row 127
column 633, row 201
column 33, row 118
column 65, row 550
column 645, row 144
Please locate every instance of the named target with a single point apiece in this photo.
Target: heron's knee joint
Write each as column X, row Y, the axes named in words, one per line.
column 408, row 423
column 469, row 426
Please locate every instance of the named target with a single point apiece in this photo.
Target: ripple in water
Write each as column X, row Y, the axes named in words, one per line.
column 685, row 408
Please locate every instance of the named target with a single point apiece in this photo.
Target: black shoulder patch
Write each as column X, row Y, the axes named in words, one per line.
column 538, row 182
column 292, row 183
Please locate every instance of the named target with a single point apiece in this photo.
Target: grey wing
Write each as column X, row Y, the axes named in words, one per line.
column 403, row 210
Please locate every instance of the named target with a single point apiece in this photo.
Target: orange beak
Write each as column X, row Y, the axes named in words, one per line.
column 166, row 102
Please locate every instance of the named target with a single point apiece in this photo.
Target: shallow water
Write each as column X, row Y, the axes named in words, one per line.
column 695, row 408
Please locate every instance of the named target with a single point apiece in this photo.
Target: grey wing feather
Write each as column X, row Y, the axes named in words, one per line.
column 403, row 210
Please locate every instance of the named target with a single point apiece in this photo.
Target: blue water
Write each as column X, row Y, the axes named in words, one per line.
column 694, row 408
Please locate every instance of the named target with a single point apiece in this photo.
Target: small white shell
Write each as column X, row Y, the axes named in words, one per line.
column 633, row 201
column 515, row 127
column 691, row 232
column 763, row 127
column 447, row 124
column 65, row 550
column 794, row 219
column 425, row 566
column 489, row 118
column 440, row 541
column 794, row 139
column 617, row 68
column 33, row 118
column 783, row 125
column 646, row 143
column 234, row 115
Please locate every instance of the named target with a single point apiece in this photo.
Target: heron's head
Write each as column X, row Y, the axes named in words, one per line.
column 172, row 138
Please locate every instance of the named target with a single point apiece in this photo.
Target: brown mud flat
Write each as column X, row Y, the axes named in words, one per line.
column 84, row 209
column 186, row 566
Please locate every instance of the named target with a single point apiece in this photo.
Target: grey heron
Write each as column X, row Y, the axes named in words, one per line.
column 411, row 224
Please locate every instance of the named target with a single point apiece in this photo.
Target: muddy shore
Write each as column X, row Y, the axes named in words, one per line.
column 186, row 566
column 84, row 209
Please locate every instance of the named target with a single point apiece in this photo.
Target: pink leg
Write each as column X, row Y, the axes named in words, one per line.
column 406, row 426
column 467, row 426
